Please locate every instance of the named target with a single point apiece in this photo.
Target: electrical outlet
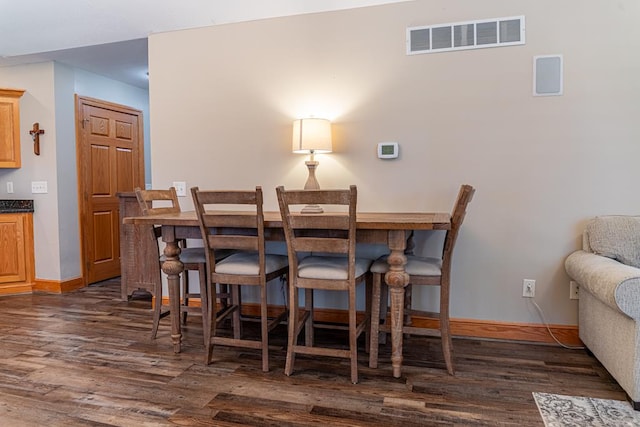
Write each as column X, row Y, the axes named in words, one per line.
column 528, row 288
column 574, row 290
column 181, row 188
column 9, row 187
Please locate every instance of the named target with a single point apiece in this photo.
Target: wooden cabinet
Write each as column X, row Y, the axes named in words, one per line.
column 138, row 251
column 10, row 127
column 17, row 265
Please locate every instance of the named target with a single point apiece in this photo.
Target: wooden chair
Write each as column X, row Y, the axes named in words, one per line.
column 321, row 249
column 422, row 271
column 166, row 201
column 243, row 232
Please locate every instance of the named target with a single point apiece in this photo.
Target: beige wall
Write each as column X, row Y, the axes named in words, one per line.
column 222, row 100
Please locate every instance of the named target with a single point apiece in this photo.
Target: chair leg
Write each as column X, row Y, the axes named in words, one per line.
column 157, row 309
column 445, row 331
column 367, row 304
column 223, row 295
column 205, row 295
column 446, row 344
column 375, row 320
column 293, row 322
column 384, row 308
column 308, row 304
column 209, row 319
column 353, row 337
column 237, row 324
column 185, row 296
column 264, row 328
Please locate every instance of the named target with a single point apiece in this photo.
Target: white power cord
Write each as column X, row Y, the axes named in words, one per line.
column 544, row 320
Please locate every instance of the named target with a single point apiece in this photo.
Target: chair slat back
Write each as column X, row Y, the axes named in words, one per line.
column 321, row 244
column 457, row 217
column 233, row 241
column 333, row 231
column 324, row 222
column 166, row 201
column 146, row 199
column 325, row 197
column 230, row 220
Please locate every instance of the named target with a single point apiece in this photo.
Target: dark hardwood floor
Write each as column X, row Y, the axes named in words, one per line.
column 85, row 358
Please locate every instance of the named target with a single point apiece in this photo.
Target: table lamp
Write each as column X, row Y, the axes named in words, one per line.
column 311, row 136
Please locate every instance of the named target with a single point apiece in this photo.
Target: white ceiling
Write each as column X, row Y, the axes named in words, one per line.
column 109, row 37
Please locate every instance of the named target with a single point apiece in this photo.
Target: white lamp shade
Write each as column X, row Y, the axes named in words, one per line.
column 311, row 135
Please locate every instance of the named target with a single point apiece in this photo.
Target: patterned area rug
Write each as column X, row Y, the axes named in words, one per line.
column 561, row 411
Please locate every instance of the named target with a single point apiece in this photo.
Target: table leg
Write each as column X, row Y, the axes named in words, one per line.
column 172, row 267
column 396, row 279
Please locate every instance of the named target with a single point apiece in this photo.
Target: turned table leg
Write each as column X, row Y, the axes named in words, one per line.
column 396, row 279
column 172, row 267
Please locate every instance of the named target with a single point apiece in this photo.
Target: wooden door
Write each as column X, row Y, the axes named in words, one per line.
column 109, row 142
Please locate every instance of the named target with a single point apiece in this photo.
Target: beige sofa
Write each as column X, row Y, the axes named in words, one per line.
column 607, row 269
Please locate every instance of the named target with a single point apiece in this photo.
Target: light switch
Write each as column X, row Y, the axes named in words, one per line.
column 9, row 187
column 181, row 188
column 39, row 187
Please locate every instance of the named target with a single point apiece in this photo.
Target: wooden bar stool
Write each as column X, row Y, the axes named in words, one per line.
column 321, row 249
column 225, row 228
column 166, row 201
column 422, row 271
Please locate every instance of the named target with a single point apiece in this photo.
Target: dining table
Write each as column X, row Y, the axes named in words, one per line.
column 390, row 228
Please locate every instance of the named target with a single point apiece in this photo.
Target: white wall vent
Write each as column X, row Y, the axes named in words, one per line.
column 466, row 35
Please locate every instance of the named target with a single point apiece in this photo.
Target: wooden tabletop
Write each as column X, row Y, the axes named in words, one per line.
column 364, row 220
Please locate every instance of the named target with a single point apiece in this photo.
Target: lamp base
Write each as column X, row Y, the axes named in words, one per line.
column 312, row 184
column 312, row 209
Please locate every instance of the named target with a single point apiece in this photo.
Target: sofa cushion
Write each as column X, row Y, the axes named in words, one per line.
column 616, row 237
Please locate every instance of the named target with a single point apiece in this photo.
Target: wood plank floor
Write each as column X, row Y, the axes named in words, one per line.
column 85, row 359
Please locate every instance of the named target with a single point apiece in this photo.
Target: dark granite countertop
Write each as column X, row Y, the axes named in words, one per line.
column 16, row 206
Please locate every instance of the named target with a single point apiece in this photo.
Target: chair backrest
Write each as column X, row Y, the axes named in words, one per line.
column 147, row 197
column 168, row 203
column 330, row 232
column 457, row 217
column 230, row 220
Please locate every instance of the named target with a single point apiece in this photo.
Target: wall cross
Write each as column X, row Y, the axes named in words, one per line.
column 35, row 134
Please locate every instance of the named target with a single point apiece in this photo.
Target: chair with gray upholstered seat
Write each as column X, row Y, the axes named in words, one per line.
column 234, row 221
column 422, row 271
column 166, row 201
column 321, row 249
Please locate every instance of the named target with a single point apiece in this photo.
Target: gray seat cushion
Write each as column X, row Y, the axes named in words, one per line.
column 248, row 263
column 415, row 266
column 330, row 267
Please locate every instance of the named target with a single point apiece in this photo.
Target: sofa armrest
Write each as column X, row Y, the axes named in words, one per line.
column 614, row 283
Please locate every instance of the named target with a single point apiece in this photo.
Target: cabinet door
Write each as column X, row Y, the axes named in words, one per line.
column 10, row 128
column 12, row 248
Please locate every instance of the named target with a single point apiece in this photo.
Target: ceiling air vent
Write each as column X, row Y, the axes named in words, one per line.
column 466, row 35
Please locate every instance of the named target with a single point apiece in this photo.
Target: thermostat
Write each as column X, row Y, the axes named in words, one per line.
column 387, row 150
